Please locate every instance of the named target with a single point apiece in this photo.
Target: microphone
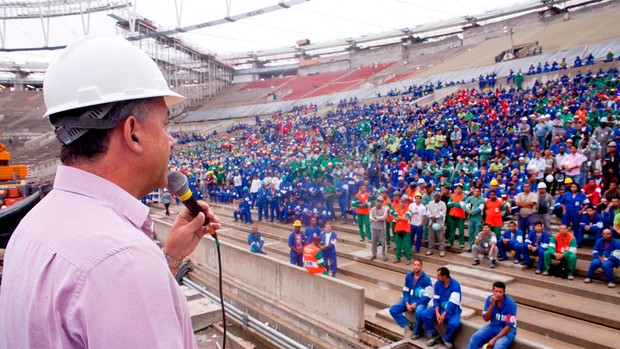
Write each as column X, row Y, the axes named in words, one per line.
column 177, row 186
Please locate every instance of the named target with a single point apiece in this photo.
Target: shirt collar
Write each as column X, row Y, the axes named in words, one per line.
column 84, row 183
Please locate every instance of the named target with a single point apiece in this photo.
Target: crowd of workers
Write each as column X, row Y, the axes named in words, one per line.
column 499, row 160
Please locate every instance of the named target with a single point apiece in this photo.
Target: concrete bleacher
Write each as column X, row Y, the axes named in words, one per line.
column 268, row 83
column 303, row 85
column 22, row 112
column 552, row 313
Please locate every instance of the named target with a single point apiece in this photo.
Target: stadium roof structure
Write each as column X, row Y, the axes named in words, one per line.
column 420, row 33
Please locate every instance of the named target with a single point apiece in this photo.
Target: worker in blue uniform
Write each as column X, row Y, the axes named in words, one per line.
column 329, row 238
column 591, row 224
column 417, row 291
column 511, row 240
column 261, row 202
column 342, row 193
column 256, row 241
column 535, row 244
column 572, row 204
column 446, row 308
column 296, row 242
column 312, row 230
column 606, row 255
column 501, row 310
column 245, row 205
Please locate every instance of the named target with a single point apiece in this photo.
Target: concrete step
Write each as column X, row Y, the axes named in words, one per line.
column 584, row 252
column 527, row 276
column 383, row 288
column 190, row 294
column 204, row 313
column 453, row 258
column 353, row 259
column 385, row 314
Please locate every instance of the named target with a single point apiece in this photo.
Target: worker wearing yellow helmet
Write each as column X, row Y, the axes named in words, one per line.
column 494, row 186
column 296, row 242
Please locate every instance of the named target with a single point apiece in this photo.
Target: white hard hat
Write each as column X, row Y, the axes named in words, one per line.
column 542, row 186
column 102, row 69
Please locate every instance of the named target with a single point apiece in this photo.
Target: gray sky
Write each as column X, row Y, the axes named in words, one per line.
column 317, row 20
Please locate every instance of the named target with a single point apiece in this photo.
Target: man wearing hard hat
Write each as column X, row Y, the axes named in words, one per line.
column 81, row 269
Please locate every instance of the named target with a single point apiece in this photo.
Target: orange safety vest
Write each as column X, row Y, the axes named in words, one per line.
column 493, row 212
column 362, row 199
column 562, row 245
column 411, row 193
column 388, row 204
column 310, row 262
column 457, row 211
column 401, row 226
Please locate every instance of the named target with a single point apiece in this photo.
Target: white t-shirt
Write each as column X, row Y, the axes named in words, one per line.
column 238, row 181
column 417, row 213
column 255, row 186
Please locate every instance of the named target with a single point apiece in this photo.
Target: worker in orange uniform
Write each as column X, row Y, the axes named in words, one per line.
column 361, row 203
column 456, row 216
column 402, row 229
column 313, row 258
column 494, row 211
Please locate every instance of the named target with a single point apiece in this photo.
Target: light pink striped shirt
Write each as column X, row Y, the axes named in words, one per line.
column 574, row 160
column 82, row 272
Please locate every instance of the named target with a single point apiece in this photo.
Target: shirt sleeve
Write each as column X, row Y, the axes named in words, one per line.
column 510, row 314
column 147, row 309
column 454, row 301
column 487, row 304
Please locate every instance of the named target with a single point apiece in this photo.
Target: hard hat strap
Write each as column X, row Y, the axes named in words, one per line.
column 70, row 128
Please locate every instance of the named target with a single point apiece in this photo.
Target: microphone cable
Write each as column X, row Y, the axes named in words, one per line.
column 178, row 186
column 219, row 267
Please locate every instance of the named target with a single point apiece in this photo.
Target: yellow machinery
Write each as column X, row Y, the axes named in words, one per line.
column 11, row 188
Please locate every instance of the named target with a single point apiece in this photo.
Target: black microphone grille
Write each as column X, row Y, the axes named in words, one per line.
column 177, row 183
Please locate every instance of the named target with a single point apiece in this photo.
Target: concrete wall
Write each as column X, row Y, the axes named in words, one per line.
column 44, row 169
column 337, row 301
column 329, row 65
column 476, row 35
column 383, row 54
column 428, row 48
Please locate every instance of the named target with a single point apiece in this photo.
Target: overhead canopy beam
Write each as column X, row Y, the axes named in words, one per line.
column 421, row 29
column 47, row 9
column 227, row 19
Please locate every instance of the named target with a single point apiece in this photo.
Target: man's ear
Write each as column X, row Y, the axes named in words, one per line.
column 132, row 131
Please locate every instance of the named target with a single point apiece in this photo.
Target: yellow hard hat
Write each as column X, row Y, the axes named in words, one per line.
column 418, row 194
column 568, row 180
column 494, row 182
column 297, row 223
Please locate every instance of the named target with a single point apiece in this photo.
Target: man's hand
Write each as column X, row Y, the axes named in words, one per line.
column 558, row 256
column 441, row 318
column 187, row 231
column 491, row 343
column 492, row 302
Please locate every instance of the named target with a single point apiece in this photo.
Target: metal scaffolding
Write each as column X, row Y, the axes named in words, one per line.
column 191, row 71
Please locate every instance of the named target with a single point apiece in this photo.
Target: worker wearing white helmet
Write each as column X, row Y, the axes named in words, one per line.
column 603, row 133
column 82, row 269
column 544, row 206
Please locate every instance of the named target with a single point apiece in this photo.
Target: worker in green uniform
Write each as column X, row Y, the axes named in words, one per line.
column 474, row 208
